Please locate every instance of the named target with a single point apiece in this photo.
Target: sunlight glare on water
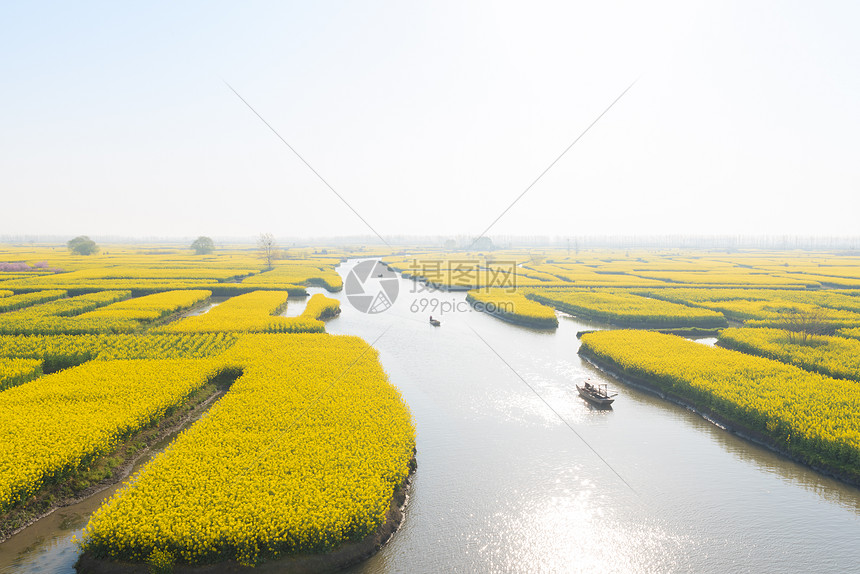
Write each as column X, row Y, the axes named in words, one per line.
column 571, row 530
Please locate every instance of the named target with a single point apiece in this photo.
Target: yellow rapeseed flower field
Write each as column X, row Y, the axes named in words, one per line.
column 628, row 309
column 67, row 350
column 808, row 414
column 252, row 312
column 149, row 307
column 55, row 424
column 513, row 306
column 321, row 307
column 61, row 316
column 303, row 453
column 26, row 299
column 833, row 356
column 17, row 371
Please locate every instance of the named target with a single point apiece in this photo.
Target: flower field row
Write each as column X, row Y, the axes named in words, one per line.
column 762, row 307
column 252, row 312
column 302, row 454
column 53, row 425
column 738, row 277
column 850, row 332
column 292, row 277
column 60, row 316
column 579, row 275
column 73, row 306
column 845, row 300
column 147, row 287
column 61, row 351
column 14, row 372
column 627, row 309
column 833, row 356
column 14, row 302
column 321, row 307
column 150, row 272
column 814, row 417
column 128, row 277
column 513, row 306
column 149, row 307
column 305, row 272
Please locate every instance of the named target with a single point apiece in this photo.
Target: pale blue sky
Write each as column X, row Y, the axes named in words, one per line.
column 429, row 118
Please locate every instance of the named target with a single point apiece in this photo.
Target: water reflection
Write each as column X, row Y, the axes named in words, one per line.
column 296, row 304
column 203, row 309
column 47, row 545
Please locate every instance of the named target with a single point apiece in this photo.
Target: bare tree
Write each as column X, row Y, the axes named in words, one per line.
column 804, row 324
column 268, row 248
column 537, row 258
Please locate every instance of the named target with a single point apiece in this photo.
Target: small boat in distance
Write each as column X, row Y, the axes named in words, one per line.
column 434, row 322
column 596, row 394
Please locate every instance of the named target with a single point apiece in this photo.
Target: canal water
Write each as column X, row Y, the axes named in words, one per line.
column 516, row 473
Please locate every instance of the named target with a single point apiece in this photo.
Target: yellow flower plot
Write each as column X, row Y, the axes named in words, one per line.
column 61, row 316
column 68, row 350
column 621, row 308
column 305, row 452
column 321, row 307
column 17, row 371
column 254, row 312
column 767, row 307
column 26, row 299
column 837, row 357
column 55, row 424
column 319, row 273
column 149, row 307
column 815, row 417
column 513, row 306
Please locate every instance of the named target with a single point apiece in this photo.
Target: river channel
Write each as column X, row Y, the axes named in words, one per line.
column 516, row 473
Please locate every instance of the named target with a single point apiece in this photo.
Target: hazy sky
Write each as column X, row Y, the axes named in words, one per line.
column 429, row 117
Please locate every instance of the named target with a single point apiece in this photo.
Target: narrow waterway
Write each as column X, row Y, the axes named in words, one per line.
column 504, row 485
